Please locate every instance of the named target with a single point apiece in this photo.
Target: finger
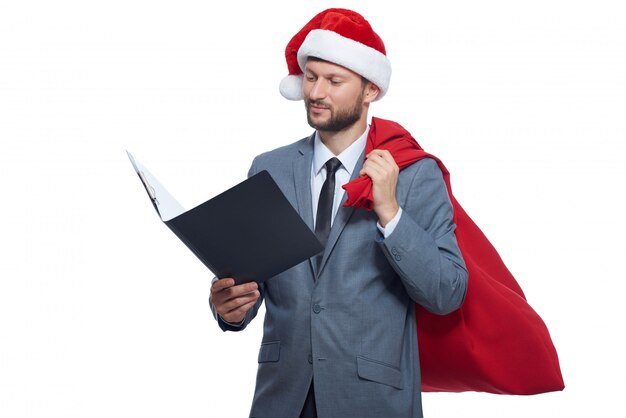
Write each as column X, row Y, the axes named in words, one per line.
column 387, row 157
column 378, row 164
column 375, row 161
column 373, row 170
column 383, row 153
column 235, row 304
column 233, row 292
column 383, row 159
column 222, row 284
column 229, row 283
column 238, row 314
column 241, row 300
column 244, row 288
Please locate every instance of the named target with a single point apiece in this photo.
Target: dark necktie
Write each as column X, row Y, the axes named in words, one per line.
column 325, row 204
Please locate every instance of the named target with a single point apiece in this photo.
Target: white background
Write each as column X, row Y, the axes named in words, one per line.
column 104, row 313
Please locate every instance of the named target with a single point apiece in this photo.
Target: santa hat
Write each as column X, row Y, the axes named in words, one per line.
column 342, row 37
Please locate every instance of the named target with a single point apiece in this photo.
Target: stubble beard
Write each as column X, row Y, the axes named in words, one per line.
column 339, row 119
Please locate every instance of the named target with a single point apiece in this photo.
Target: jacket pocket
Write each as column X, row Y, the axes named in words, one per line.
column 377, row 371
column 269, row 352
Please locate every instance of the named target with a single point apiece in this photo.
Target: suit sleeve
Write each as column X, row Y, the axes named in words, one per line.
column 227, row 326
column 423, row 249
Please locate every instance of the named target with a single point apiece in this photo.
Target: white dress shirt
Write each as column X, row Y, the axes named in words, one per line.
column 349, row 157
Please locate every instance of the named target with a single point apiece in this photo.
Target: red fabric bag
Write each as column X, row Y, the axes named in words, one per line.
column 495, row 342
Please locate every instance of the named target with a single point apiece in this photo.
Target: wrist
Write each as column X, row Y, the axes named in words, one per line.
column 386, row 214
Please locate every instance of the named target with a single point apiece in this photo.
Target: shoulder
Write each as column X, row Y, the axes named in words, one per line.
column 282, row 155
column 424, row 168
column 423, row 182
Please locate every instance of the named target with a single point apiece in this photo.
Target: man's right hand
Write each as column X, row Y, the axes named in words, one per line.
column 233, row 302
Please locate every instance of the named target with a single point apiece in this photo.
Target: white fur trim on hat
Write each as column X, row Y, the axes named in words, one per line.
column 358, row 57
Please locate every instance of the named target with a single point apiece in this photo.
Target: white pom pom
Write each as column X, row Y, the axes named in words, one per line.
column 291, row 87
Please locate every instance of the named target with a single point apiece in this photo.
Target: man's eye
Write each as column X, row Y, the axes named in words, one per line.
column 310, row 78
column 335, row 82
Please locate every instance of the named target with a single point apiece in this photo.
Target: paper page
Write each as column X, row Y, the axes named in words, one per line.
column 165, row 203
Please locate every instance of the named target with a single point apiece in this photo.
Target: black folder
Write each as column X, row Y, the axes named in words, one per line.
column 249, row 232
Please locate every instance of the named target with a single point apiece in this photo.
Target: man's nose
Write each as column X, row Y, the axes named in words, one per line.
column 318, row 90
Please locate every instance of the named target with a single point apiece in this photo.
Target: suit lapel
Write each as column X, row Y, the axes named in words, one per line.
column 302, row 180
column 341, row 218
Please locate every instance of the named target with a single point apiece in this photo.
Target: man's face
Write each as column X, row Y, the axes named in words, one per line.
column 333, row 96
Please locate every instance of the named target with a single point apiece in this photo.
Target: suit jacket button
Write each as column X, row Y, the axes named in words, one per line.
column 394, row 251
column 397, row 257
column 317, row 308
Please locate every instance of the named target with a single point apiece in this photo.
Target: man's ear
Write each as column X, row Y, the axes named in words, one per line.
column 371, row 92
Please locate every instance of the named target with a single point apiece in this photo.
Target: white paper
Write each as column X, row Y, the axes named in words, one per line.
column 167, row 207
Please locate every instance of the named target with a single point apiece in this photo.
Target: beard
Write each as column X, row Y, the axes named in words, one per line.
column 340, row 119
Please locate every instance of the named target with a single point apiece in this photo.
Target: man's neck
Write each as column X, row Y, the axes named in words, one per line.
column 337, row 142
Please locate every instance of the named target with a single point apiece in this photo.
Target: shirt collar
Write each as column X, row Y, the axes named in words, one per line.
column 348, row 157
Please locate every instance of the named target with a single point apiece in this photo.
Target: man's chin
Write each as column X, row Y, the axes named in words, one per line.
column 317, row 122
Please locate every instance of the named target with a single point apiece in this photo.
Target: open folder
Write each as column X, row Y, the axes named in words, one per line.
column 249, row 232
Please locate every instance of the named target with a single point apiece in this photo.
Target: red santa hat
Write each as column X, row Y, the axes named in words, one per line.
column 342, row 37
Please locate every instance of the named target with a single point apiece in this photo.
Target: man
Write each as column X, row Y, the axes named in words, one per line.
column 339, row 333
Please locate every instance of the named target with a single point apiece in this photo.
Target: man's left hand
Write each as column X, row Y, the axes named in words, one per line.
column 380, row 166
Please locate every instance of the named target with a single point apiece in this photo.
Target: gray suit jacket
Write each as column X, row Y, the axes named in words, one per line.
column 351, row 325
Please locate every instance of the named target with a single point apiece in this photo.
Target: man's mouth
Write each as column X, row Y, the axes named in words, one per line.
column 317, row 107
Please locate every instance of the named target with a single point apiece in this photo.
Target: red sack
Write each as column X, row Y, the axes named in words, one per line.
column 495, row 342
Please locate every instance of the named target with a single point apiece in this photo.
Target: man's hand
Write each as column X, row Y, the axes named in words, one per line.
column 233, row 302
column 383, row 170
